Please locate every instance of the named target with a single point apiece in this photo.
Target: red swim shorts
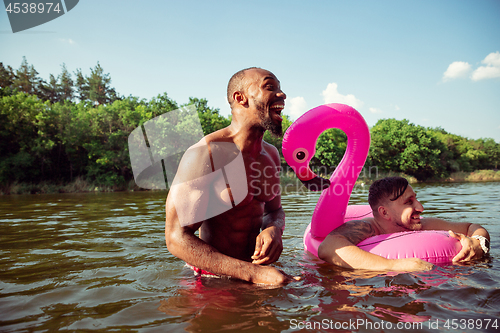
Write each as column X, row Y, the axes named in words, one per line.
column 202, row 272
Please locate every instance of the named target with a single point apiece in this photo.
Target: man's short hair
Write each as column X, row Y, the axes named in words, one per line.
column 236, row 84
column 386, row 188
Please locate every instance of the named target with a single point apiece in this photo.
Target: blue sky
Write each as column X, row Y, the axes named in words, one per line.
column 435, row 63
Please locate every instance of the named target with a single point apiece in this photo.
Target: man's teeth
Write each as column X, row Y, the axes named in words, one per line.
column 278, row 108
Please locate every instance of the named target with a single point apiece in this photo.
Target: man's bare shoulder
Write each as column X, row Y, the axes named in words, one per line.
column 272, row 151
column 356, row 231
column 195, row 163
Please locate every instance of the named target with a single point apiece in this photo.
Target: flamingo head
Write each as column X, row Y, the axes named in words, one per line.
column 299, row 147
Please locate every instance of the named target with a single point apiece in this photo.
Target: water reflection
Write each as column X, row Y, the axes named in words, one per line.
column 208, row 303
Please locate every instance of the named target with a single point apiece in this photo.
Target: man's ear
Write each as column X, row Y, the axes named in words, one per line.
column 240, row 98
column 382, row 211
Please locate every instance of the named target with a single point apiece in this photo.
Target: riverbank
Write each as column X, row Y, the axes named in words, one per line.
column 79, row 185
column 456, row 177
column 288, row 179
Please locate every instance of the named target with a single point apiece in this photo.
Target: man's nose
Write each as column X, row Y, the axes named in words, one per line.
column 281, row 94
column 419, row 207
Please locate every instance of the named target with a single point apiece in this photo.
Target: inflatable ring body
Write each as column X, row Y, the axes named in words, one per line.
column 434, row 246
column 332, row 210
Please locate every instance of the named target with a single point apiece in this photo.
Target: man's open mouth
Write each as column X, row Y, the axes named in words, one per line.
column 277, row 108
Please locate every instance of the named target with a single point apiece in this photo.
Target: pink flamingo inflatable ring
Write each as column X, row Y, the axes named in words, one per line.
column 332, row 209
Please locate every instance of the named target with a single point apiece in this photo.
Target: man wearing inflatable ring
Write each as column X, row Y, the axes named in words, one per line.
column 243, row 235
column 395, row 209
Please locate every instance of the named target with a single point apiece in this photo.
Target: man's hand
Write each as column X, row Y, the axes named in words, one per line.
column 271, row 276
column 471, row 249
column 268, row 246
column 411, row 265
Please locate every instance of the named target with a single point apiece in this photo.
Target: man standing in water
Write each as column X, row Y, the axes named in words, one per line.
column 246, row 236
column 396, row 208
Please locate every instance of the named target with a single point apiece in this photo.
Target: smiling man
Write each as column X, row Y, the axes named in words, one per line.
column 396, row 208
column 236, row 172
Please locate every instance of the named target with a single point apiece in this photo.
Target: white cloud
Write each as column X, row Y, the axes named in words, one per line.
column 456, row 70
column 298, row 106
column 491, row 70
column 375, row 110
column 492, row 59
column 68, row 41
column 397, row 108
column 485, row 72
column 331, row 95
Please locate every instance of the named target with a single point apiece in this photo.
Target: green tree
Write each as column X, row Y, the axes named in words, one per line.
column 6, row 80
column 458, row 153
column 95, row 88
column 210, row 118
column 45, row 141
column 398, row 145
column 18, row 135
column 26, row 79
column 80, row 86
column 278, row 141
column 50, row 91
column 74, row 130
column 107, row 144
column 66, row 88
column 491, row 150
column 159, row 105
column 330, row 148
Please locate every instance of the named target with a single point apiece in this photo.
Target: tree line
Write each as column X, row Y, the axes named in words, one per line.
column 77, row 125
column 425, row 153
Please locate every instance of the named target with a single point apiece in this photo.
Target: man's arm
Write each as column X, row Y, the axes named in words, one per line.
column 184, row 244
column 339, row 248
column 463, row 231
column 269, row 244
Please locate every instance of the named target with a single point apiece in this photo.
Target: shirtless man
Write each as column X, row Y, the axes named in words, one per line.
column 243, row 239
column 395, row 209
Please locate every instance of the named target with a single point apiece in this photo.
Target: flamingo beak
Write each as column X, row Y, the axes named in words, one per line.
column 316, row 184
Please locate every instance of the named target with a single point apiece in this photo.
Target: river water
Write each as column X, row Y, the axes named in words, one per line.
column 98, row 262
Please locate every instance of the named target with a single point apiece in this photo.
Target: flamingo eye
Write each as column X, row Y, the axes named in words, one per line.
column 300, row 155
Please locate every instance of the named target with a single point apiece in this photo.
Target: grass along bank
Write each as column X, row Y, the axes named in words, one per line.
column 79, row 185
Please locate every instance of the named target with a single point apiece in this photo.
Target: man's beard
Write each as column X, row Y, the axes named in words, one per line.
column 411, row 226
column 415, row 227
column 266, row 121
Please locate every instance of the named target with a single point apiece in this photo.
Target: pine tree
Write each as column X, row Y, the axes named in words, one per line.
column 50, row 91
column 26, row 79
column 66, row 89
column 81, row 87
column 95, row 88
column 6, row 80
